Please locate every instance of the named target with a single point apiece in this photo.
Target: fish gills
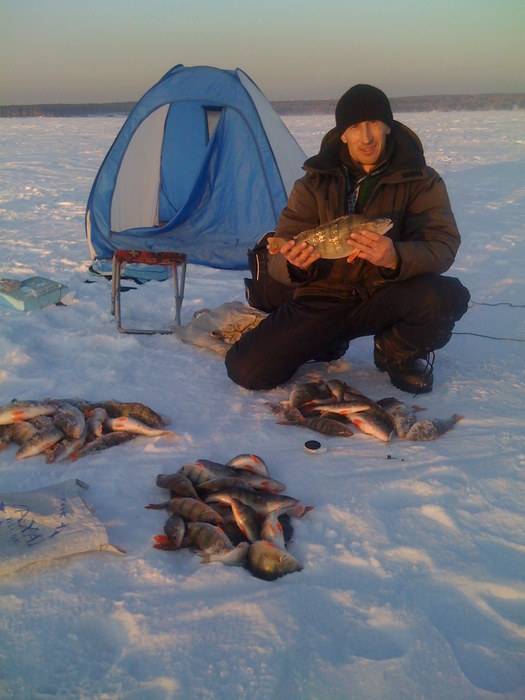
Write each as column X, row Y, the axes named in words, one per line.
column 245, row 519
column 95, row 421
column 272, row 530
column 70, row 420
column 175, row 529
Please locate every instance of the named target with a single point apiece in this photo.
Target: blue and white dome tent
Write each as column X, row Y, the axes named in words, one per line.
column 203, row 165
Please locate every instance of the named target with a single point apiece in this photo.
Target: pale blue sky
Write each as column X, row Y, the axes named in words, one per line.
column 114, row 50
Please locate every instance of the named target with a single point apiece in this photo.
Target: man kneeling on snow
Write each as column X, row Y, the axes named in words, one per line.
column 394, row 289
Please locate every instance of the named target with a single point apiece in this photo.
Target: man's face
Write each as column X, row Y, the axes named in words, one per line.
column 366, row 143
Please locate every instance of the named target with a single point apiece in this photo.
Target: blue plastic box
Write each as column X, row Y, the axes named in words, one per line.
column 31, row 293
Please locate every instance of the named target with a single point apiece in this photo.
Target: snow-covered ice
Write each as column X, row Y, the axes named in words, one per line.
column 414, row 557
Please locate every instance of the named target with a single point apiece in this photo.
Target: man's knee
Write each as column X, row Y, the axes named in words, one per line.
column 443, row 296
column 251, row 372
column 460, row 298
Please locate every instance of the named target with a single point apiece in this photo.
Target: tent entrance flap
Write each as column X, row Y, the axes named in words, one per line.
column 188, row 131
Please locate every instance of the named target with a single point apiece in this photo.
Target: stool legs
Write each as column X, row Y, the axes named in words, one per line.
column 178, row 284
column 114, row 286
column 116, row 282
column 179, row 280
column 115, row 290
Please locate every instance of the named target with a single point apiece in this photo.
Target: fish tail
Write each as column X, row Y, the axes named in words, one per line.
column 163, row 542
column 51, row 456
column 298, row 511
column 450, row 423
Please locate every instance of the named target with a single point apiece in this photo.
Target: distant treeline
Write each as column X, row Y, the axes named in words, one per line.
column 424, row 103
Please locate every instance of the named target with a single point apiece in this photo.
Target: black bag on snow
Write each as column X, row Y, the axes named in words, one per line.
column 262, row 291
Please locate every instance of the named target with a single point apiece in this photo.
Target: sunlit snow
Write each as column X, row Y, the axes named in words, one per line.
column 414, row 556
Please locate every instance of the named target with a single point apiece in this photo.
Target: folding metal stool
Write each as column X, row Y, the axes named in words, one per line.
column 173, row 260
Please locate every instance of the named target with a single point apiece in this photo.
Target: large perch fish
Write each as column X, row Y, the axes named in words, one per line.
column 331, row 240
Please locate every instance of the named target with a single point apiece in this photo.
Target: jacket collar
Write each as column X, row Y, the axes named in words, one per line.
column 405, row 155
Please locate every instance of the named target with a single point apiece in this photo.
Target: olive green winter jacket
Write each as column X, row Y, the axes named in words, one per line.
column 407, row 191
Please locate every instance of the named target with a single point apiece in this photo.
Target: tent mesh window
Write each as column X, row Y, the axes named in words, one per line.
column 213, row 115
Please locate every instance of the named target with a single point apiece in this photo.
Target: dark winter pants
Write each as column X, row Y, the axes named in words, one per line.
column 411, row 318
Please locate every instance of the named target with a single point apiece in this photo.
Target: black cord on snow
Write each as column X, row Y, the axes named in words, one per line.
column 499, row 303
column 493, row 337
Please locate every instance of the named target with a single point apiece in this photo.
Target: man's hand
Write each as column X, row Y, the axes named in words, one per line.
column 379, row 250
column 301, row 255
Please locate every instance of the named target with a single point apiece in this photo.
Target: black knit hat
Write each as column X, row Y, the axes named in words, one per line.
column 362, row 103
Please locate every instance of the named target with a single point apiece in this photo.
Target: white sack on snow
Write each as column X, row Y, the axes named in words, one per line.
column 217, row 329
column 48, row 523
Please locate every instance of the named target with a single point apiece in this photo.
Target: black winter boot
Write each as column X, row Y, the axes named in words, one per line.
column 410, row 373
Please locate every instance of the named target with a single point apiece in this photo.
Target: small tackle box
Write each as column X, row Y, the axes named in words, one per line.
column 31, row 293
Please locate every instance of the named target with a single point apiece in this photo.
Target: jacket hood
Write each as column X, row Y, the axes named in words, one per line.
column 404, row 145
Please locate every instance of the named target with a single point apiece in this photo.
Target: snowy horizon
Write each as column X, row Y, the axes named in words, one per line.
column 413, row 583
